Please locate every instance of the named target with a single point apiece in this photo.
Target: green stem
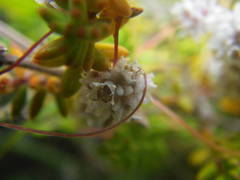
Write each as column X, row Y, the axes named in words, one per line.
column 9, row 60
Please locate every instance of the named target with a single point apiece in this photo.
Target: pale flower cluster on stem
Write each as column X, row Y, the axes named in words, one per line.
column 108, row 97
column 225, row 39
column 222, row 25
column 203, row 17
column 197, row 17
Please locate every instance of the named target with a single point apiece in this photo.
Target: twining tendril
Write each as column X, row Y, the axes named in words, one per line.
column 26, row 54
column 83, row 134
column 118, row 22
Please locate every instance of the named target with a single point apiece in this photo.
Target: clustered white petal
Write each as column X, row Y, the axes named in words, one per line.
column 197, row 16
column 200, row 17
column 108, row 97
column 225, row 39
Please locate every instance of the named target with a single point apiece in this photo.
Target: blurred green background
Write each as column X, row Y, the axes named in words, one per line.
column 158, row 149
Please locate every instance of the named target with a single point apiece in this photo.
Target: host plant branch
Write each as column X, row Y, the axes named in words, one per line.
column 10, row 59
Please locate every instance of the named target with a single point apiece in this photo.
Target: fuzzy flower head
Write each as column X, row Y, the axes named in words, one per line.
column 108, row 97
column 197, row 16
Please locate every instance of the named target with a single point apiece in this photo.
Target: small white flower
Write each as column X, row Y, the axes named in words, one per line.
column 197, row 16
column 225, row 39
column 151, row 84
column 108, row 97
column 48, row 2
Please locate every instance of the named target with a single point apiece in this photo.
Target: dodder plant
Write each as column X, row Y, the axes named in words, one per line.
column 106, row 89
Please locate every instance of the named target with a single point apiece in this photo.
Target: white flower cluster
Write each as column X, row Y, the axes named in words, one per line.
column 108, row 97
column 198, row 16
column 225, row 42
column 225, row 39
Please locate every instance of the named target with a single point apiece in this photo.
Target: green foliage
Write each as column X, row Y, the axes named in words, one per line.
column 162, row 150
column 23, row 17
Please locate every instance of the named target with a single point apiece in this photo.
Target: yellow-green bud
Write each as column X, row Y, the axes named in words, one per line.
column 37, row 103
column 70, row 82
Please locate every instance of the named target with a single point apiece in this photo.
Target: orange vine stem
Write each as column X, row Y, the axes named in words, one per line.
column 116, row 39
column 83, row 134
column 29, row 51
column 194, row 132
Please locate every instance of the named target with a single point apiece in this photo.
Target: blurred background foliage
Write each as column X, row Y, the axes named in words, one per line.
column 157, row 148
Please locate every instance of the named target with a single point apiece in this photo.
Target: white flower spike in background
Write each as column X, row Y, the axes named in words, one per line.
column 197, row 16
column 225, row 34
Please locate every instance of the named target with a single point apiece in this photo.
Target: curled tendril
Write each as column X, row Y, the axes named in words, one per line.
column 27, row 53
column 83, row 134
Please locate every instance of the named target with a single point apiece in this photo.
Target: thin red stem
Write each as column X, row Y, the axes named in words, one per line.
column 29, row 51
column 118, row 22
column 83, row 134
column 194, row 132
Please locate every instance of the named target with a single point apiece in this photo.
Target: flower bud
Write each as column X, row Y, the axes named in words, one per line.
column 62, row 105
column 101, row 63
column 19, row 102
column 136, row 11
column 89, row 60
column 79, row 11
column 70, row 82
column 95, row 31
column 118, row 8
column 108, row 50
column 55, row 19
column 97, row 6
column 51, row 50
column 54, row 62
column 37, row 103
